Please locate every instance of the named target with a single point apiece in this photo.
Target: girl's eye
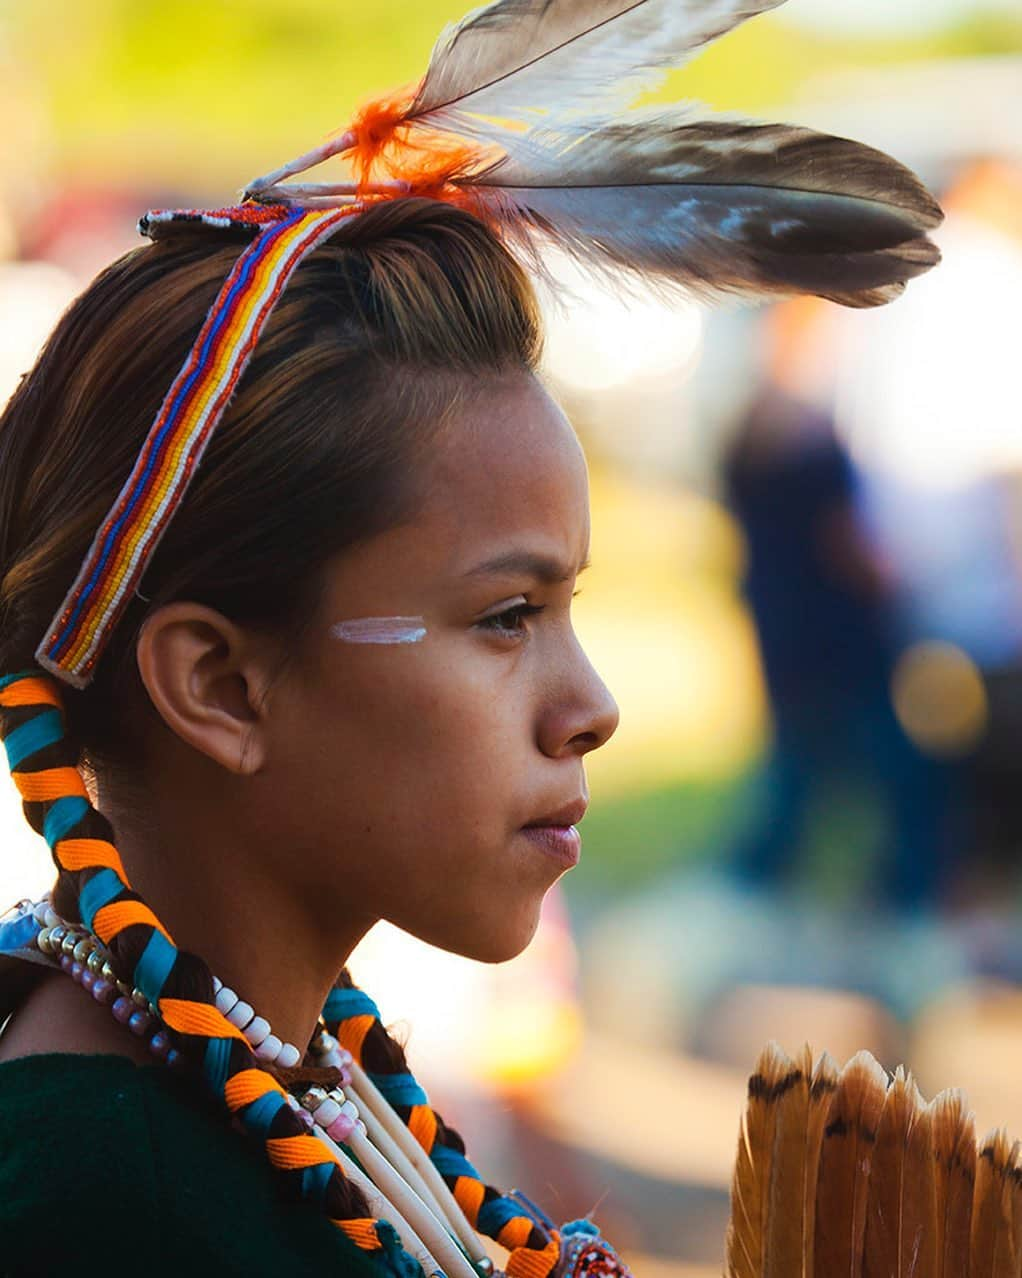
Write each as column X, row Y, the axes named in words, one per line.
column 512, row 620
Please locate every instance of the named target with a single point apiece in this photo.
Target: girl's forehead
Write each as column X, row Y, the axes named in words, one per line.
column 509, row 464
column 504, row 481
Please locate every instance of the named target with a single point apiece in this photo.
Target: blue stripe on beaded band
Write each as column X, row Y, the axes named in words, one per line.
column 400, row 1089
column 63, row 816
column 258, row 1116
column 43, row 730
column 216, row 1063
column 341, row 1005
column 153, row 968
column 99, row 891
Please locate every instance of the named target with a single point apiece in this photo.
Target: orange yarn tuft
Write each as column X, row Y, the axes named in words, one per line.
column 374, row 126
column 388, row 147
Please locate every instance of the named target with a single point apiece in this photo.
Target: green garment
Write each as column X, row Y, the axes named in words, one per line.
column 109, row 1168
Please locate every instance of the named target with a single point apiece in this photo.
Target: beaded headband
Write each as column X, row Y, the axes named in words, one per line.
column 521, row 118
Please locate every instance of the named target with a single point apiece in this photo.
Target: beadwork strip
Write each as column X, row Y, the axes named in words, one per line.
column 196, row 401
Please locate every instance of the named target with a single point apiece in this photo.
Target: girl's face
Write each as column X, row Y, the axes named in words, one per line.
column 421, row 766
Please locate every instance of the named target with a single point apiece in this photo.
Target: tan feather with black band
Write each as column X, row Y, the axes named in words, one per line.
column 954, row 1150
column 751, row 1185
column 994, row 1253
column 849, row 1138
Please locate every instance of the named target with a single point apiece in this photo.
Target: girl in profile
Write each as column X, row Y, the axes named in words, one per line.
column 289, row 533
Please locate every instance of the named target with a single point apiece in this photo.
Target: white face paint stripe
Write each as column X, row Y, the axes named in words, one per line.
column 388, row 630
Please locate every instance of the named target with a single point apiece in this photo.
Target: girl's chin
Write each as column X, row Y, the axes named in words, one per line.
column 496, row 941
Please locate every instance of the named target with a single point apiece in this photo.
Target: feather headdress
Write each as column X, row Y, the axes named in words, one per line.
column 523, row 116
column 851, row 1174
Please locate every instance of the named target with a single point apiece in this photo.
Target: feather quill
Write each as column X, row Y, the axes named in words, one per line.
column 845, row 1160
column 954, row 1151
column 751, row 1184
column 993, row 1247
column 900, row 1237
column 721, row 206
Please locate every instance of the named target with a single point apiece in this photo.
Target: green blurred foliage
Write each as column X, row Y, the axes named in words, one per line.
column 185, row 89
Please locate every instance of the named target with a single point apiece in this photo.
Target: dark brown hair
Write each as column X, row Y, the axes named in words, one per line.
column 375, row 339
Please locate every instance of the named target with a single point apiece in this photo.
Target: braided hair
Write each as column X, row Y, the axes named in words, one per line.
column 364, row 351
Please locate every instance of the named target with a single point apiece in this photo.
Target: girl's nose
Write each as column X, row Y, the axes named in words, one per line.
column 584, row 717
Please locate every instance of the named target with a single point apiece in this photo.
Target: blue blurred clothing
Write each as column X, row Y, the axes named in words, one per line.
column 814, row 628
column 826, row 636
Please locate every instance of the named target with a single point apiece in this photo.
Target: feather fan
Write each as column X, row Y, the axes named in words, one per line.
column 897, row 1190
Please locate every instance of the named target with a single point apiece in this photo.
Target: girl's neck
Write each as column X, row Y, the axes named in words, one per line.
column 208, row 884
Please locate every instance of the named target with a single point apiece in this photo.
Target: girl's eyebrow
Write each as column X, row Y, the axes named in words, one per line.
column 526, row 563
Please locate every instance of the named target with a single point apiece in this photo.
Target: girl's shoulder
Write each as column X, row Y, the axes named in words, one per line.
column 115, row 1162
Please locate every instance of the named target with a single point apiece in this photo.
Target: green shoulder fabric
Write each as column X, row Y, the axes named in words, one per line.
column 112, row 1168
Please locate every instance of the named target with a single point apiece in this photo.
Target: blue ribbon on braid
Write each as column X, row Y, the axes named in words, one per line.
column 341, row 1005
column 400, row 1089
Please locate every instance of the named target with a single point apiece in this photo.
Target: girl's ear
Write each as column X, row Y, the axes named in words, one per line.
column 207, row 679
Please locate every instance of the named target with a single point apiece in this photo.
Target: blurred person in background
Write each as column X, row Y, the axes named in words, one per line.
column 822, row 599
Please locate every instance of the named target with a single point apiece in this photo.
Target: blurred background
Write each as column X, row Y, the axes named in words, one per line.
column 806, row 590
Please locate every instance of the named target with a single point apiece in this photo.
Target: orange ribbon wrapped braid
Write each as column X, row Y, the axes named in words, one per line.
column 93, row 889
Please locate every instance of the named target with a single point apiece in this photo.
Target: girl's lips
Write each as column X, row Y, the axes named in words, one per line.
column 561, row 842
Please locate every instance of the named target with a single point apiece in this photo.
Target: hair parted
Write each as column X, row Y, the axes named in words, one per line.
column 383, row 330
